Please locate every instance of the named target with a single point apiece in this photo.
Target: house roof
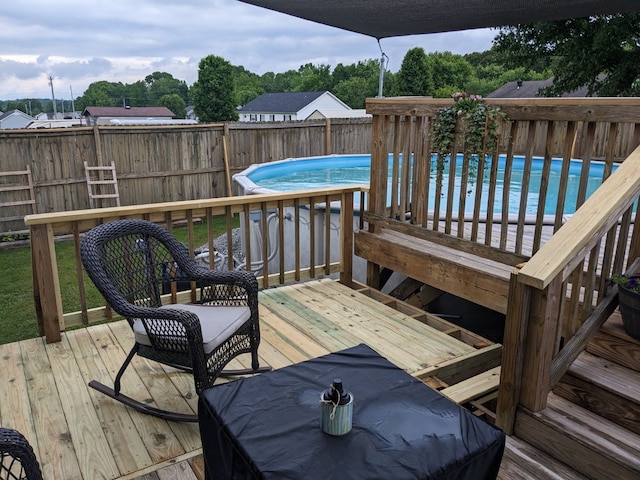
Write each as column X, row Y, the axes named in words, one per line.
column 529, row 89
column 283, row 102
column 341, row 113
column 15, row 112
column 390, row 18
column 127, row 112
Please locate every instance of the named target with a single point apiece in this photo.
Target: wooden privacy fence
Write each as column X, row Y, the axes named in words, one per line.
column 538, row 251
column 163, row 163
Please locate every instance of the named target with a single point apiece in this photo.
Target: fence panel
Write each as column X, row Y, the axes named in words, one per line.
column 157, row 164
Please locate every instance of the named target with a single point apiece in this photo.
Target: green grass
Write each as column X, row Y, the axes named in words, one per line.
column 18, row 317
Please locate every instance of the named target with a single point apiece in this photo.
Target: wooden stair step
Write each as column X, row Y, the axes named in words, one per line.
column 522, row 460
column 474, row 387
column 603, row 387
column 612, row 343
column 586, row 442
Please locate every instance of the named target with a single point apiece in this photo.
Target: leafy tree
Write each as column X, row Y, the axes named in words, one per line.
column 342, row 73
column 162, row 83
column 601, row 52
column 314, row 78
column 247, row 86
column 287, row 81
column 31, row 106
column 175, row 103
column 450, row 72
column 213, row 91
column 414, row 76
column 268, row 82
column 353, row 91
column 137, row 94
column 102, row 94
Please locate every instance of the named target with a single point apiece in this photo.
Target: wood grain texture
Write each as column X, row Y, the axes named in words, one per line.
column 81, row 434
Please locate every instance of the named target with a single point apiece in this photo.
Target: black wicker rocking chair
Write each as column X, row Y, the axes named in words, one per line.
column 17, row 459
column 133, row 263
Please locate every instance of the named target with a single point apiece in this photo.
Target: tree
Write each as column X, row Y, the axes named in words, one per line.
column 212, row 93
column 175, row 103
column 31, row 106
column 601, row 52
column 162, row 83
column 353, row 91
column 102, row 94
column 314, row 78
column 247, row 86
column 137, row 94
column 414, row 76
column 450, row 72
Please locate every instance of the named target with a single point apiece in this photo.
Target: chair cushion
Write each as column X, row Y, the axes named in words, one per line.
column 218, row 323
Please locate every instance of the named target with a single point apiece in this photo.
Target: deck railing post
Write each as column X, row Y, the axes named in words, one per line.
column 512, row 353
column 346, row 239
column 540, row 344
column 46, row 285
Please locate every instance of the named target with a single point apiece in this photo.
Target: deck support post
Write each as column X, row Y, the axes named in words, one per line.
column 46, row 285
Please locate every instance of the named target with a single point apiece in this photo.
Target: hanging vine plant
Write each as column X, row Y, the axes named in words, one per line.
column 473, row 125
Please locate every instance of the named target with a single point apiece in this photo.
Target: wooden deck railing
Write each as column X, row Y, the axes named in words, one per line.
column 561, row 297
column 563, row 131
column 293, row 231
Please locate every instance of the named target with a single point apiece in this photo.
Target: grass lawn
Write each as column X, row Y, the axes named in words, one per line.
column 18, row 317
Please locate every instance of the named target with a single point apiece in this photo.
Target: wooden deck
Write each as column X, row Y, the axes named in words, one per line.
column 78, row 433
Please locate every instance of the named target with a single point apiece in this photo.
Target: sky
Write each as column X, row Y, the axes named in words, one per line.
column 78, row 42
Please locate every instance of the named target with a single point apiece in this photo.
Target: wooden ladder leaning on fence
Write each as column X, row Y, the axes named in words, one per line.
column 102, row 183
column 17, row 191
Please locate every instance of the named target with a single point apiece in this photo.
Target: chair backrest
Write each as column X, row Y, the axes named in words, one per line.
column 133, row 262
column 17, row 459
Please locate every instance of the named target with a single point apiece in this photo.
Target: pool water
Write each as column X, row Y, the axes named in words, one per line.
column 332, row 171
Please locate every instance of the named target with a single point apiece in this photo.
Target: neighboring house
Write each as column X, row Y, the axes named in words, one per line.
column 64, row 123
column 277, row 107
column 127, row 115
column 529, row 89
column 15, row 119
column 191, row 113
column 321, row 114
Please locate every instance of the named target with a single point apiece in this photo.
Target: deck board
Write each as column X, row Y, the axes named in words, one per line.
column 78, row 433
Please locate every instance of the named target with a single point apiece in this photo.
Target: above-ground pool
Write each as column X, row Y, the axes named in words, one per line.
column 342, row 170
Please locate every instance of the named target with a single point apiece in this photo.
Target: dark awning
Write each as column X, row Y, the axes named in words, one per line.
column 391, row 18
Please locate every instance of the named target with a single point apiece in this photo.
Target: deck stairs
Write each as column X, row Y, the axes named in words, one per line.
column 592, row 421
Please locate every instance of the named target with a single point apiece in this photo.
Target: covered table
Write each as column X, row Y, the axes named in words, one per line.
column 268, row 426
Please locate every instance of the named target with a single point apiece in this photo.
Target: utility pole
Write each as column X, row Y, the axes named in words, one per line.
column 55, row 110
column 73, row 102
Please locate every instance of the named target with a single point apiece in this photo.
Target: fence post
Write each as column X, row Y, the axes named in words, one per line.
column 46, row 284
column 327, row 136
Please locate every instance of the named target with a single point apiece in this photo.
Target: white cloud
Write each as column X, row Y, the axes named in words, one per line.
column 83, row 41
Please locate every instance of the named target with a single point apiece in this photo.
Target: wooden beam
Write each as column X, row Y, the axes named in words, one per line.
column 473, row 387
column 47, row 283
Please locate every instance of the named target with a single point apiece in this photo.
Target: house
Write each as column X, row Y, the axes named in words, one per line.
column 64, row 123
column 323, row 113
column 15, row 119
column 529, row 89
column 127, row 115
column 275, row 107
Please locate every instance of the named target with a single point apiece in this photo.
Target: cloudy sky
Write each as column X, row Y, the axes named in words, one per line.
column 78, row 42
